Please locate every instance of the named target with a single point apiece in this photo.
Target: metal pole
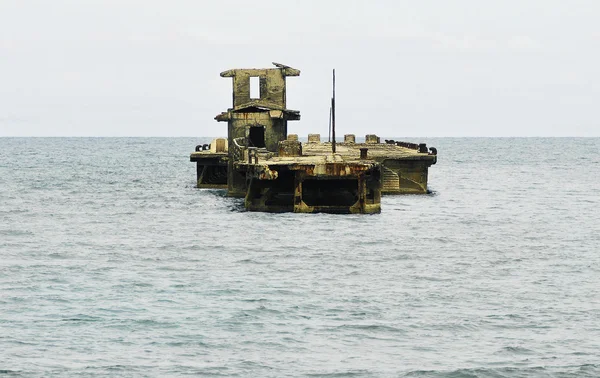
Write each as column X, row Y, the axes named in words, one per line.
column 333, row 116
column 329, row 134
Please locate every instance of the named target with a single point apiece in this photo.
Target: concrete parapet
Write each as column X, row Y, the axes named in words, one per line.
column 371, row 139
column 220, row 145
column 314, row 138
column 290, row 148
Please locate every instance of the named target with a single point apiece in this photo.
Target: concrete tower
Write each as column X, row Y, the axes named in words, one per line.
column 259, row 115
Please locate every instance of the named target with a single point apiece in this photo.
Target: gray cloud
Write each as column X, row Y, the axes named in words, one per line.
column 462, row 68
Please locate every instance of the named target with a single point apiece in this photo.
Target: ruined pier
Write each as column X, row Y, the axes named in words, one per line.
column 275, row 172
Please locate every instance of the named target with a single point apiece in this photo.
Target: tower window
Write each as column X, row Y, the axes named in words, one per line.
column 254, row 87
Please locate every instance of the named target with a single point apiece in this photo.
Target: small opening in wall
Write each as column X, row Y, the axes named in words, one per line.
column 254, row 87
column 256, row 136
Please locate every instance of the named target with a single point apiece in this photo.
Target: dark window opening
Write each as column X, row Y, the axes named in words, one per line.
column 330, row 192
column 256, row 137
column 281, row 191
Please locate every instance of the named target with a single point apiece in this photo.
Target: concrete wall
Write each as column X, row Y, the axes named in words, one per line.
column 272, row 85
column 275, row 128
column 267, row 111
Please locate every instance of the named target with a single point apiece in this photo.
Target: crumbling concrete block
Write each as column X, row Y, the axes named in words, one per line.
column 314, row 138
column 371, row 138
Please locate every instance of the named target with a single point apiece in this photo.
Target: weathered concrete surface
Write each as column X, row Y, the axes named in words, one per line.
column 404, row 170
column 275, row 172
column 261, row 121
column 272, row 85
column 290, row 148
column 211, row 164
column 310, row 184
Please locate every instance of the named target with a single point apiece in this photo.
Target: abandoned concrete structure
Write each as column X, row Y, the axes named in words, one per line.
column 275, row 172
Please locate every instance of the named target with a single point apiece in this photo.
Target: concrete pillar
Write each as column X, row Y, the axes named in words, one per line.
column 362, row 193
column 297, row 193
column 290, row 148
column 349, row 138
column 220, row 144
column 314, row 138
column 371, row 139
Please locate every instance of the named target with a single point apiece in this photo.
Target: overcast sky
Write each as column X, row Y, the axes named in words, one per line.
column 403, row 68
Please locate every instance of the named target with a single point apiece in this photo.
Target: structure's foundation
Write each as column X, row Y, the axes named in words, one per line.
column 312, row 185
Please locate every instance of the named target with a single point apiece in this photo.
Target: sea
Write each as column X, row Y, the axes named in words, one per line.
column 112, row 263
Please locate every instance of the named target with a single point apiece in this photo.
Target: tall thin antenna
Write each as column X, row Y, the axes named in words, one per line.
column 329, row 132
column 333, row 116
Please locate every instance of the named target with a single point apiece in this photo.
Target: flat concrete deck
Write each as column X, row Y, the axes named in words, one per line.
column 375, row 151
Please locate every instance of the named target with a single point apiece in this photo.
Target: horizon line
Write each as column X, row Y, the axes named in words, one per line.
column 382, row 136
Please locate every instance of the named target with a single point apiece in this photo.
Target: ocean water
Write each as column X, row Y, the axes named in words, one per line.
column 113, row 264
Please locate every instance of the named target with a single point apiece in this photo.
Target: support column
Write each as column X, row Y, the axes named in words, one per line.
column 202, row 174
column 199, row 168
column 250, row 194
column 362, row 193
column 297, row 192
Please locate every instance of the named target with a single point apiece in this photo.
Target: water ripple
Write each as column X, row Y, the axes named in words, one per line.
column 113, row 264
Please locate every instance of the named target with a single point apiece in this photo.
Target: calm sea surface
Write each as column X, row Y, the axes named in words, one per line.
column 113, row 264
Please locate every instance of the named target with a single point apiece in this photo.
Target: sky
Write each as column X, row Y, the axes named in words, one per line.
column 425, row 68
